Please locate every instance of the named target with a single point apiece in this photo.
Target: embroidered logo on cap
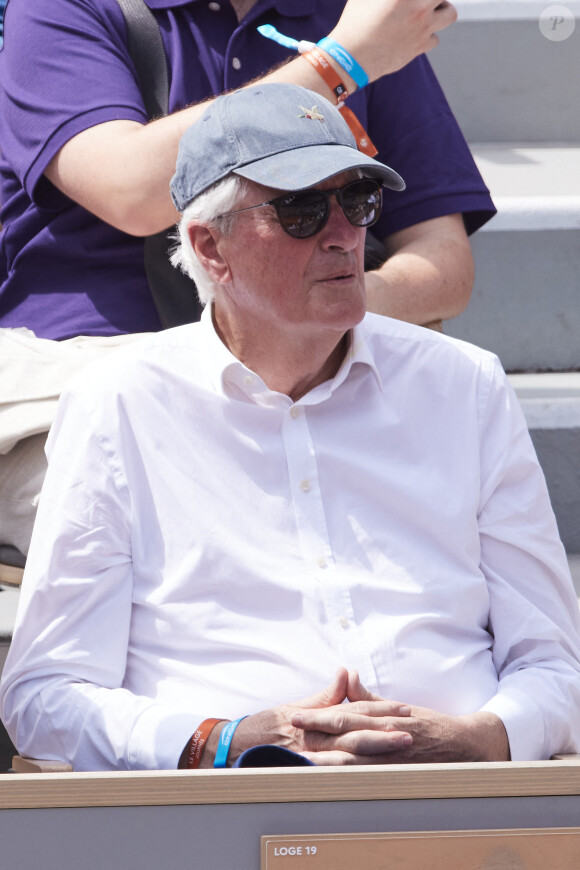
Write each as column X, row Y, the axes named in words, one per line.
column 312, row 113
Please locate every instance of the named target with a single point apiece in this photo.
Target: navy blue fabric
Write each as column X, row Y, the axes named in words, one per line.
column 269, row 755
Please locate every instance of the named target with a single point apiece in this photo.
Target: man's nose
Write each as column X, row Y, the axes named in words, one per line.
column 339, row 232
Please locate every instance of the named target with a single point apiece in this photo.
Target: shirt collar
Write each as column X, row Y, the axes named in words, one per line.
column 226, row 371
column 218, row 359
column 359, row 353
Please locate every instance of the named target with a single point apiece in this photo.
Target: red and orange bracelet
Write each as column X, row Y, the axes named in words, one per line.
column 191, row 755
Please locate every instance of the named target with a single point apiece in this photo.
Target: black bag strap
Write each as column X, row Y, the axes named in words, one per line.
column 148, row 55
column 173, row 292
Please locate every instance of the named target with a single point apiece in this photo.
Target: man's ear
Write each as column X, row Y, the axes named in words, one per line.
column 205, row 243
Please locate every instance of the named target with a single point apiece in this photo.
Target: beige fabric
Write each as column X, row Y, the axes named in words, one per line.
column 22, row 471
column 33, row 373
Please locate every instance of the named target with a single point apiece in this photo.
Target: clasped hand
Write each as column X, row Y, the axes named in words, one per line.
column 345, row 724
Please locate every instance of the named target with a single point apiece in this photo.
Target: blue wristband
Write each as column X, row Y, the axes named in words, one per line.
column 270, row 32
column 226, row 736
column 346, row 60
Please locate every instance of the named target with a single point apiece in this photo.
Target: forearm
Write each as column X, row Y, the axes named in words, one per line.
column 120, row 170
column 134, row 163
column 429, row 273
column 268, row 727
column 485, row 738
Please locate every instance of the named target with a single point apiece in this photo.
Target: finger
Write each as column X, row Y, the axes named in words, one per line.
column 331, row 759
column 355, row 691
column 345, row 759
column 331, row 695
column 359, row 743
column 445, row 15
column 380, row 716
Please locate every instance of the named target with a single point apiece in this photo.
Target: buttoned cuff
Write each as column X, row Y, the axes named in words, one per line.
column 523, row 722
column 159, row 737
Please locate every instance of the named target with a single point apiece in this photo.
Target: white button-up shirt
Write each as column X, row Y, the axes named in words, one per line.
column 205, row 547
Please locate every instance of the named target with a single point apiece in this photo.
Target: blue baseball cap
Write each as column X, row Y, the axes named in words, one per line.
column 280, row 135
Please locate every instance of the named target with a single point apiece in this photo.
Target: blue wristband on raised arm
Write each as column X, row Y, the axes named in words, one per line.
column 227, row 733
column 346, row 60
column 270, row 32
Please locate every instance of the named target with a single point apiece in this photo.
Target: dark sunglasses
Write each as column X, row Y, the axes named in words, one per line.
column 305, row 213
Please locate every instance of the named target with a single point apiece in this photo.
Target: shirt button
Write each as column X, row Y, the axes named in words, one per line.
column 305, row 485
column 321, row 562
column 215, row 7
column 236, row 63
column 294, row 411
column 248, row 380
column 343, row 622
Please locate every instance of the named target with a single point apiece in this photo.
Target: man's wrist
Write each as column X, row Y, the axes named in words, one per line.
column 488, row 737
column 341, row 75
column 240, row 740
column 200, row 749
column 225, row 740
column 345, row 60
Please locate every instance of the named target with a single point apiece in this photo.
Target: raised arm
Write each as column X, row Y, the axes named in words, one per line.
column 120, row 170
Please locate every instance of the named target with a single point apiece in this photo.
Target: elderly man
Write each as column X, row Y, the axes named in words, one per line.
column 291, row 523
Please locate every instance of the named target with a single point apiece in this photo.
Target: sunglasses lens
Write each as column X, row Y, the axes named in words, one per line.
column 361, row 202
column 302, row 214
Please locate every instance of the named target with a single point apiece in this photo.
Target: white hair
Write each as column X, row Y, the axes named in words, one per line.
column 207, row 209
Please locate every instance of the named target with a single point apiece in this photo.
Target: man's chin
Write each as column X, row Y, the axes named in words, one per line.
column 346, row 314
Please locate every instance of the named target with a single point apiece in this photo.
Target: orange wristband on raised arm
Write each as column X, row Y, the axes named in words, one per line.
column 191, row 755
column 325, row 70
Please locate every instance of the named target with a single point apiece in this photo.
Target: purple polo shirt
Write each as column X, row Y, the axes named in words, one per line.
column 65, row 67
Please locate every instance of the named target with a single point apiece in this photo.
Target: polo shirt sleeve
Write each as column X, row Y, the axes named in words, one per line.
column 533, row 610
column 411, row 124
column 78, row 74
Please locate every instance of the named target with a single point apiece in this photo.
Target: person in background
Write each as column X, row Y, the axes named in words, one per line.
column 84, row 177
column 291, row 523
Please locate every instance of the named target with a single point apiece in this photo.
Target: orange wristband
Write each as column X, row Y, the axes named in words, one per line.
column 191, row 755
column 363, row 140
column 325, row 70
column 317, row 59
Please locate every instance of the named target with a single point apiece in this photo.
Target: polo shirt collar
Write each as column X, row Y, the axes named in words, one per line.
column 289, row 8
